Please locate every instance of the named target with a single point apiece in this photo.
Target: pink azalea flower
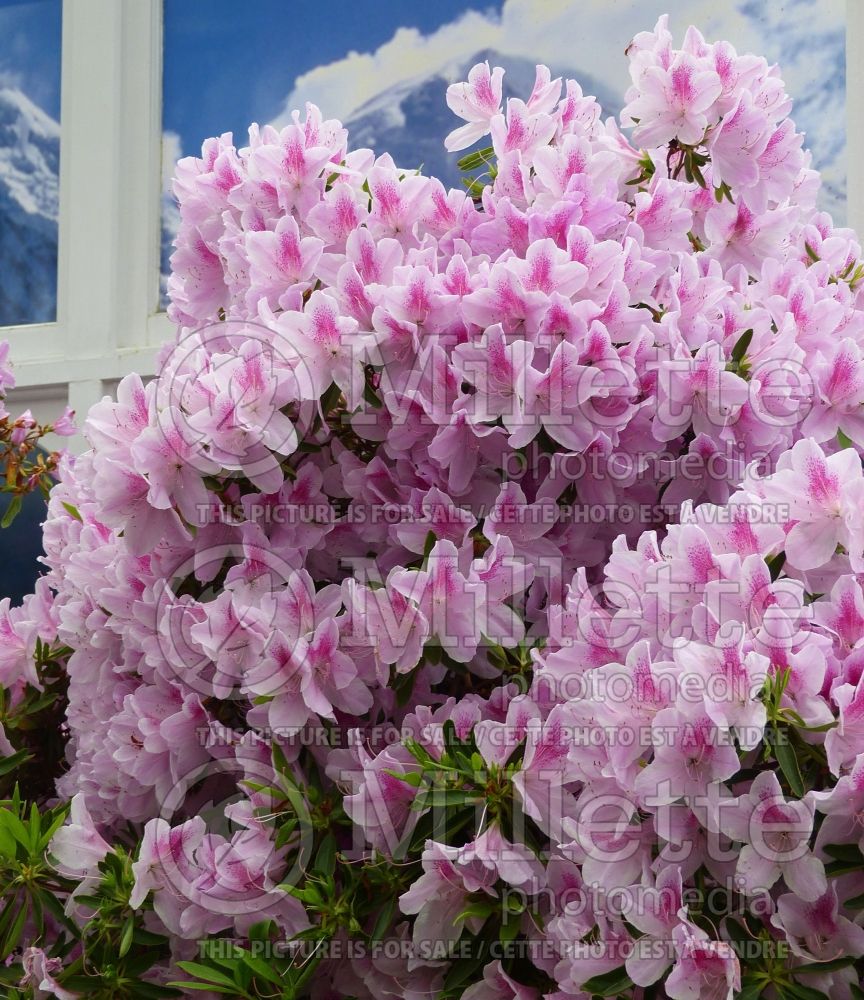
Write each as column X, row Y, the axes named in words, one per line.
column 440, row 895
column 477, row 101
column 823, row 495
column 738, row 142
column 673, row 103
column 775, row 834
column 64, row 425
column 844, row 743
column 77, row 845
column 843, row 808
column 280, row 259
column 656, row 910
column 691, row 755
column 513, row 862
column 705, row 969
column 324, row 343
column 698, row 391
column 497, row 985
column 815, row 930
column 450, row 602
column 733, row 682
column 39, row 974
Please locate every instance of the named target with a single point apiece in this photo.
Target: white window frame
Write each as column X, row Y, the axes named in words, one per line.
column 108, row 321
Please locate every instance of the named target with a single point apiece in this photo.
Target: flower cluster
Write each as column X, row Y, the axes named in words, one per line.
column 26, row 465
column 472, row 605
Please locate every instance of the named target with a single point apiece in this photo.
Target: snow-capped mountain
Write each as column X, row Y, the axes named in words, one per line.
column 29, row 203
column 411, row 121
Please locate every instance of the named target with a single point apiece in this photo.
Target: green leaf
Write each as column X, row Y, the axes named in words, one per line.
column 126, row 936
column 785, row 754
column 473, row 161
column 260, row 968
column 13, row 761
column 14, row 825
column 428, row 544
column 845, row 852
column 412, row 778
column 383, row 920
column 610, row 984
column 206, row 973
column 463, row 969
column 751, row 990
column 12, row 511
column 800, row 992
column 150, row 991
column 73, row 510
column 481, row 909
column 829, row 966
column 452, row 796
column 740, row 348
column 13, row 935
column 54, row 907
column 330, row 398
column 54, row 824
column 325, row 859
column 264, row 930
column 228, row 991
column 775, row 564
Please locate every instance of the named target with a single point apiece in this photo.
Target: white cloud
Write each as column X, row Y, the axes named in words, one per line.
column 590, row 36
column 172, row 150
column 341, row 87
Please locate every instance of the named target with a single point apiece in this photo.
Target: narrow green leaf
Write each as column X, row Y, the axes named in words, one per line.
column 206, row 973
column 325, row 859
column 12, row 511
column 750, row 990
column 73, row 510
column 383, row 920
column 740, row 348
column 126, row 936
column 13, row 935
column 830, row 966
column 13, row 761
column 785, row 754
column 775, row 564
column 610, row 984
column 800, row 992
column 845, row 852
column 260, row 968
column 228, row 991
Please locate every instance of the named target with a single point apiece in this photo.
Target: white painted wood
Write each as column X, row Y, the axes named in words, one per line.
column 110, row 157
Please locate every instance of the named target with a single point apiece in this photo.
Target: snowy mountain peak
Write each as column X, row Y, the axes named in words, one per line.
column 29, row 209
column 410, row 121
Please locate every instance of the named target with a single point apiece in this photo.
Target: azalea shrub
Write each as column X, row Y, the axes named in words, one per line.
column 471, row 606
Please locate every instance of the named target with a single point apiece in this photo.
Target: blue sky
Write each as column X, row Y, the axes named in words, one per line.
column 30, row 50
column 237, row 63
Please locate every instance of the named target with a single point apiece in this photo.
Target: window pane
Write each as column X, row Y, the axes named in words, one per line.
column 29, row 159
column 382, row 67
